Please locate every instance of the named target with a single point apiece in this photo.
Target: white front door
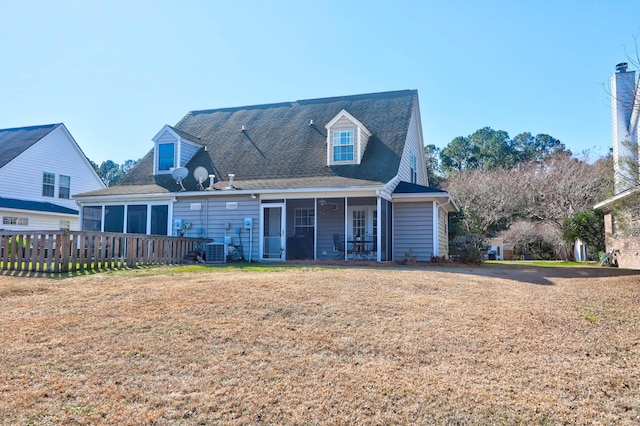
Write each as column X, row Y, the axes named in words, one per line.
column 273, row 235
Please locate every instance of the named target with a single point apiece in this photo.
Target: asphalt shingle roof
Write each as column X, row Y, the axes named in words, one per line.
column 280, row 148
column 15, row 141
column 12, row 203
column 412, row 188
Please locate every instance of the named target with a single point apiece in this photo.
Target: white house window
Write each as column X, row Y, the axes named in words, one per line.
column 414, row 168
column 48, row 184
column 14, row 220
column 165, row 156
column 343, row 145
column 65, row 187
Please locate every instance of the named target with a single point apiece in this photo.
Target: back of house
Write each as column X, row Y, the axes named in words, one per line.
column 341, row 177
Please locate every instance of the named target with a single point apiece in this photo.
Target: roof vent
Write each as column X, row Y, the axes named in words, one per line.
column 621, row 67
column 310, row 122
column 243, row 129
column 231, row 176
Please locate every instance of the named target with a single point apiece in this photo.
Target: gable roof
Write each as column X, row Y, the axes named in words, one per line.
column 279, row 146
column 14, row 142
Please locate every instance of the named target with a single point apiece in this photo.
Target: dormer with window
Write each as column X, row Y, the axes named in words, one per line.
column 346, row 139
column 173, row 148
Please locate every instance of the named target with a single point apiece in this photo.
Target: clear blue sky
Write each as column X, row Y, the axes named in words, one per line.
column 116, row 71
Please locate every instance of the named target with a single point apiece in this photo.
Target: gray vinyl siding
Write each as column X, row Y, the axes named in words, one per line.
column 413, row 230
column 187, row 151
column 443, row 237
column 209, row 221
column 362, row 141
column 414, row 146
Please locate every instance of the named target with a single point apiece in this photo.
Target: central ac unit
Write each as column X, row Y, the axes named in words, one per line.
column 216, row 252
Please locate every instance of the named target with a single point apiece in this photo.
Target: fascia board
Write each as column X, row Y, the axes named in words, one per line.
column 602, row 205
column 39, row 212
column 165, row 128
column 351, row 118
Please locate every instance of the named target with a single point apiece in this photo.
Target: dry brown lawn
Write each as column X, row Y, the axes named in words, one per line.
column 322, row 345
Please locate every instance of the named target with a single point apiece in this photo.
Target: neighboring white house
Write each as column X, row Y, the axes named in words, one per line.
column 501, row 248
column 313, row 179
column 41, row 168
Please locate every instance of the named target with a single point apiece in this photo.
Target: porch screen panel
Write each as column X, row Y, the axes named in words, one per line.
column 92, row 218
column 159, row 220
column 137, row 219
column 113, row 218
column 385, row 231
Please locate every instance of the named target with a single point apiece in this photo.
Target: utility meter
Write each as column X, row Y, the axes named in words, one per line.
column 248, row 223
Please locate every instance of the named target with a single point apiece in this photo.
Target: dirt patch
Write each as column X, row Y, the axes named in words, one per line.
column 323, row 344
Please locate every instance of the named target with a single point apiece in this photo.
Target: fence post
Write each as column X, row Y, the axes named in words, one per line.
column 65, row 247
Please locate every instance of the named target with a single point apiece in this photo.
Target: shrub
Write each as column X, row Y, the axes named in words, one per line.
column 468, row 248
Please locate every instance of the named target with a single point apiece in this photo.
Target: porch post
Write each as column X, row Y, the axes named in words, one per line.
column 346, row 224
column 378, row 235
column 315, row 228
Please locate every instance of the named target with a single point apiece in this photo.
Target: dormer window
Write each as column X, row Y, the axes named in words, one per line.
column 173, row 148
column 346, row 139
column 166, row 156
column 343, row 145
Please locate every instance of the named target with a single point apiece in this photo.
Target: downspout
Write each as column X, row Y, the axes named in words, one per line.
column 444, row 204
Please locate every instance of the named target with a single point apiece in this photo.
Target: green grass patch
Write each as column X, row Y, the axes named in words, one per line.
column 542, row 263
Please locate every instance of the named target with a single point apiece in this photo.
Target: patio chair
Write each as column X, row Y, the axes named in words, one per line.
column 371, row 250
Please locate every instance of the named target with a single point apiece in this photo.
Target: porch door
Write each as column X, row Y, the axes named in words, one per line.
column 273, row 236
column 363, row 222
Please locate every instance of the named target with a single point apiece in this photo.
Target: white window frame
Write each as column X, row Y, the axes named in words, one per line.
column 173, row 151
column 49, row 184
column 66, row 194
column 338, row 135
column 15, row 220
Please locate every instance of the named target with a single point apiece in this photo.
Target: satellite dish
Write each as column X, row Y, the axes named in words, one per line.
column 200, row 174
column 178, row 174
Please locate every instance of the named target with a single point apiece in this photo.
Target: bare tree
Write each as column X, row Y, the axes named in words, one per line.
column 560, row 186
column 544, row 194
column 488, row 198
column 541, row 239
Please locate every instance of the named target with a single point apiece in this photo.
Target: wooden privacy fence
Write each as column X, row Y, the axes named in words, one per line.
column 70, row 251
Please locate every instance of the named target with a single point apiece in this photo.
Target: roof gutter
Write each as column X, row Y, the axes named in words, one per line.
column 373, row 190
column 603, row 205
